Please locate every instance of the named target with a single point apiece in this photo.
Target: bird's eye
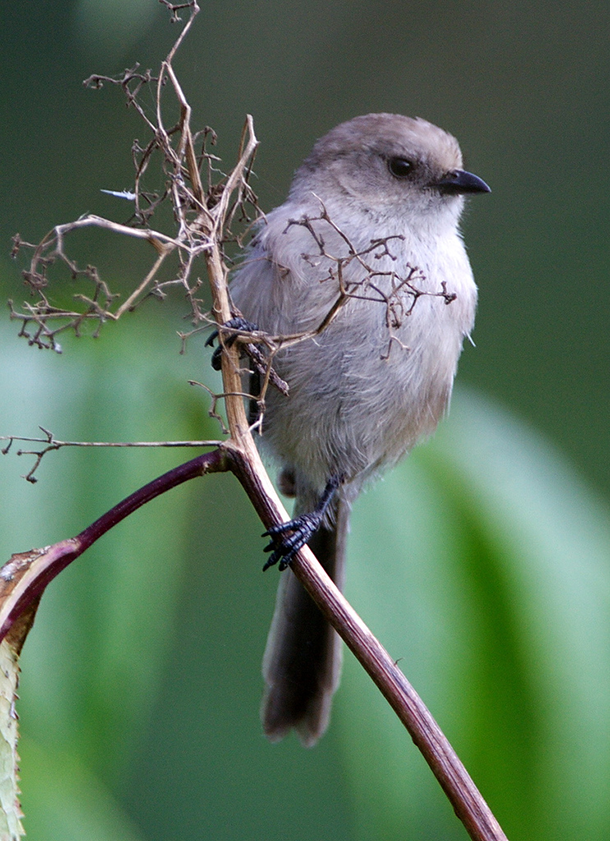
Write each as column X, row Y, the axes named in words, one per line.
column 400, row 167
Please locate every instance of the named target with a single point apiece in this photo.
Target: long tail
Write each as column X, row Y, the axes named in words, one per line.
column 302, row 662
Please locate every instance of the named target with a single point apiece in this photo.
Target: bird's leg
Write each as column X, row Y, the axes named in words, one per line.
column 237, row 324
column 288, row 538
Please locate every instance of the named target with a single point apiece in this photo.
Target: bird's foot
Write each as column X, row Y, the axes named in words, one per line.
column 239, row 325
column 288, row 538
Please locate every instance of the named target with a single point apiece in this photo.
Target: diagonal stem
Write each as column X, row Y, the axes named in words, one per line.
column 468, row 803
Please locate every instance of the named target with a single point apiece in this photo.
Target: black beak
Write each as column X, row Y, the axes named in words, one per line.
column 459, row 181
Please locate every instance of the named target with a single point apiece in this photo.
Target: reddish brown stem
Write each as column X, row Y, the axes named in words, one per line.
column 26, row 575
column 213, row 462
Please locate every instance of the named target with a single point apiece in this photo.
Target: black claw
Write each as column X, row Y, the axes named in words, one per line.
column 237, row 323
column 217, row 358
column 211, row 338
column 217, row 351
column 271, row 562
column 285, row 546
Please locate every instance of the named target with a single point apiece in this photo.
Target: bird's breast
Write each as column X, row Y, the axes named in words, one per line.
column 378, row 375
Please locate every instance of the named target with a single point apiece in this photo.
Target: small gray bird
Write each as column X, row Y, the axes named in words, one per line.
column 365, row 262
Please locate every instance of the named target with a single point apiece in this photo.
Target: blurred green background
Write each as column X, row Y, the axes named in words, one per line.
column 483, row 562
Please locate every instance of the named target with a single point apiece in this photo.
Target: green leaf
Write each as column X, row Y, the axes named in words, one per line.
column 10, row 811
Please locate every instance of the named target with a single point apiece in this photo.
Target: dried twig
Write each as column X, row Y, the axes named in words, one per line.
column 51, row 443
column 201, row 211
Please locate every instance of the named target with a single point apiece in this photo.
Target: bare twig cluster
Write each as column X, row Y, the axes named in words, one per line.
column 206, row 204
column 350, row 273
column 397, row 293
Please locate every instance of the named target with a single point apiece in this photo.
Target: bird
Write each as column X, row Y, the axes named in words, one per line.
column 362, row 279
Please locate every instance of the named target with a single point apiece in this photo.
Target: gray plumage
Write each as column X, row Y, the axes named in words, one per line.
column 379, row 377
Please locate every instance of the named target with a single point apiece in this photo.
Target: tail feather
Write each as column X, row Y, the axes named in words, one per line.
column 302, row 662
